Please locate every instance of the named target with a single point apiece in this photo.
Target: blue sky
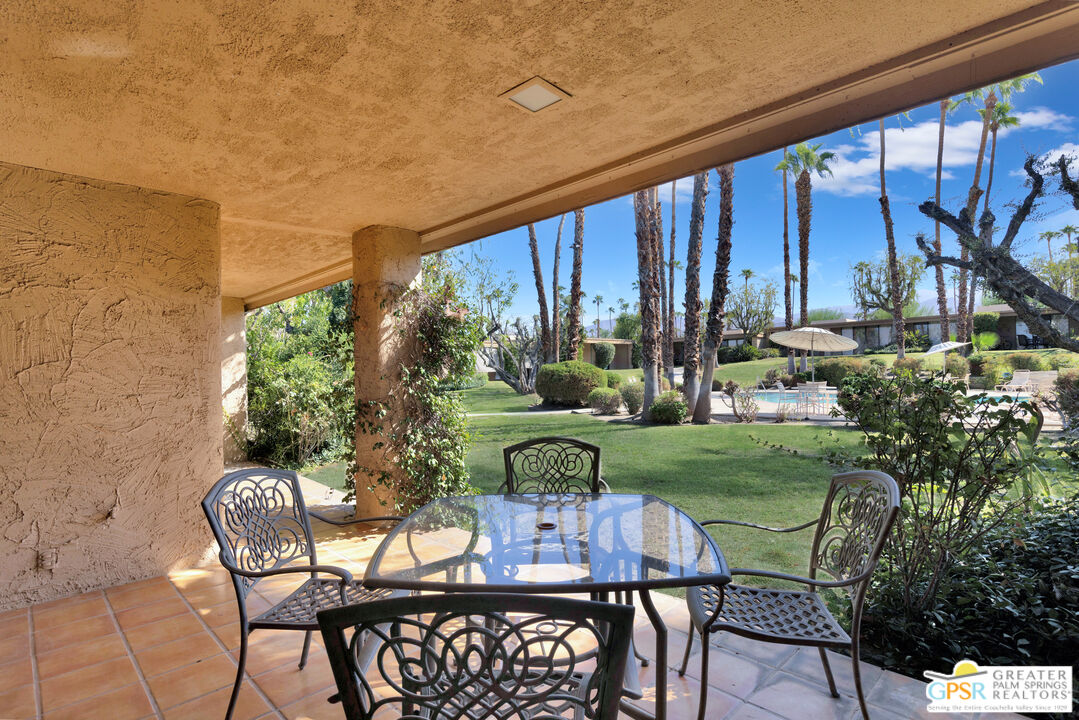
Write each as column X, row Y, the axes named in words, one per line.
column 847, row 224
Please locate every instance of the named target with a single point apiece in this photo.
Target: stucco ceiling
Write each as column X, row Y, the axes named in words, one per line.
column 308, row 120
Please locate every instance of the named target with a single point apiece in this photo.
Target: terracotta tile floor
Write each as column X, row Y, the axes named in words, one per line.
column 166, row 647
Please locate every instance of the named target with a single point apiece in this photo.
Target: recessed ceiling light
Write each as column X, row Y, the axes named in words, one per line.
column 535, row 94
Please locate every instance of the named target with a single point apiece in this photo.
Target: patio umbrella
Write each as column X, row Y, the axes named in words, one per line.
column 945, row 347
column 811, row 338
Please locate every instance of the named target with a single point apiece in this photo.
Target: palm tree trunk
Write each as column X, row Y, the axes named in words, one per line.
column 942, row 290
column 788, row 317
column 556, row 319
column 644, row 211
column 668, row 330
column 691, row 345
column 573, row 318
column 898, row 327
column 803, row 191
column 537, row 271
column 713, row 336
column 661, row 268
column 965, row 322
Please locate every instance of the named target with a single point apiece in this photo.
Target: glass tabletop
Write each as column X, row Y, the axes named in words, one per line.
column 547, row 543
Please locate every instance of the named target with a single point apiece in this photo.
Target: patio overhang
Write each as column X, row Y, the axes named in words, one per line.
column 308, row 125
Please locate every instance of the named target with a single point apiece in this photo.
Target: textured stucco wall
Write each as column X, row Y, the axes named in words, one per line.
column 110, row 381
column 234, row 378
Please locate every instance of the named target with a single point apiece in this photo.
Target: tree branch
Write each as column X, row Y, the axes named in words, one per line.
column 931, row 258
column 1036, row 184
column 1066, row 183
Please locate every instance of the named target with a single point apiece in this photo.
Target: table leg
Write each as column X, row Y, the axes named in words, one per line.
column 661, row 654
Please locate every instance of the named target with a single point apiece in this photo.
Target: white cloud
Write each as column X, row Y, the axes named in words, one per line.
column 856, row 170
column 1069, row 148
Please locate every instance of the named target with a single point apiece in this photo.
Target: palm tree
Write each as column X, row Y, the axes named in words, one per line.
column 713, row 336
column 610, row 318
column 597, row 299
column 623, row 306
column 990, row 95
column 691, row 345
column 801, row 164
column 644, row 212
column 668, row 328
column 1069, row 230
column 942, row 290
column 556, row 295
column 747, row 274
column 573, row 317
column 1049, row 236
column 898, row 326
column 788, row 317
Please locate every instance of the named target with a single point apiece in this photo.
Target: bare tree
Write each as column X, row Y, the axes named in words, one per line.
column 713, row 335
column 524, row 344
column 691, row 344
column 1007, row 278
column 573, row 317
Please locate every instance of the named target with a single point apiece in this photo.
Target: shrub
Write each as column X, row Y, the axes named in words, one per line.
column 834, row 369
column 984, row 340
column 1063, row 361
column 743, row 402
column 993, row 372
column 956, row 365
column 604, row 352
column 952, row 458
column 668, row 409
column 605, row 401
column 1009, row 600
column 1067, row 397
column 569, row 383
column 1027, row 361
column 469, row 382
column 633, row 396
column 911, row 364
column 916, row 340
column 978, row 361
column 614, row 380
column 770, row 352
column 986, row 322
column 745, row 353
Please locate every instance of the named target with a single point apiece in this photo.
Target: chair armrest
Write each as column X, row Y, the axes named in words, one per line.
column 376, row 518
column 798, row 578
column 345, row 575
column 755, row 526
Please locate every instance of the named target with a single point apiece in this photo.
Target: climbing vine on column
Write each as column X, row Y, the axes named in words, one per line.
column 419, row 431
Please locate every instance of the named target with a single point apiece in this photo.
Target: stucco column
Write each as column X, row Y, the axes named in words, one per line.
column 234, row 377
column 383, row 258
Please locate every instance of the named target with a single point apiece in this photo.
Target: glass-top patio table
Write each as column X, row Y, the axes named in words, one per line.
column 574, row 543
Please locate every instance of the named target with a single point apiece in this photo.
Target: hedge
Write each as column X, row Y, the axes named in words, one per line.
column 613, row 379
column 668, row 409
column 633, row 396
column 604, row 352
column 569, row 383
column 605, row 401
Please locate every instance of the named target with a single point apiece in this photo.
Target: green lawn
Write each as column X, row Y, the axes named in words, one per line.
column 496, row 397
column 710, row 471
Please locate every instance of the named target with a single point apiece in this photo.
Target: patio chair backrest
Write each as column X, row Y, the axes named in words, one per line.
column 858, row 514
column 1023, row 340
column 1019, row 377
column 552, row 465
column 475, row 655
column 1043, row 379
column 260, row 521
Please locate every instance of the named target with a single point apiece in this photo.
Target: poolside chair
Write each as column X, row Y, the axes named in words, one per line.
column 552, row 465
column 858, row 514
column 1042, row 380
column 479, row 655
column 260, row 521
column 1023, row 341
column 1019, row 381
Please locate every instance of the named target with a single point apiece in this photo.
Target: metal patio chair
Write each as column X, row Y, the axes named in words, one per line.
column 483, row 655
column 260, row 522
column 858, row 514
column 552, row 465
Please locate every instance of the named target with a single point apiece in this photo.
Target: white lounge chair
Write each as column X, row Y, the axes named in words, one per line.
column 1020, row 381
